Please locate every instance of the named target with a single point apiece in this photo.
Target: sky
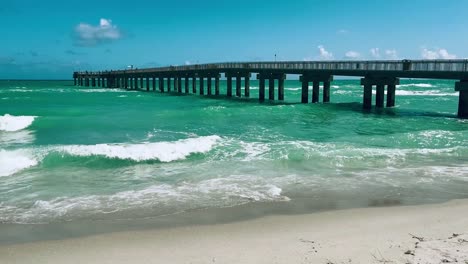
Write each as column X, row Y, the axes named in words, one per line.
column 52, row 38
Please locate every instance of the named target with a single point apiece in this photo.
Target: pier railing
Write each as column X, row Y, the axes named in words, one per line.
column 392, row 65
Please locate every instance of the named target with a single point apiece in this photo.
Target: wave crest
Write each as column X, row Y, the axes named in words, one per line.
column 14, row 123
column 14, row 161
column 162, row 151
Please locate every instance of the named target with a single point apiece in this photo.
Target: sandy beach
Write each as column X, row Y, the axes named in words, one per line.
column 436, row 233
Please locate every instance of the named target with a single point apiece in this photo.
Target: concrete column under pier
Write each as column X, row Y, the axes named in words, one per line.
column 379, row 96
column 238, row 86
column 281, row 87
column 367, row 98
column 462, row 88
column 305, row 90
column 247, row 86
column 161, row 84
column 179, row 84
column 271, row 89
column 136, row 83
column 261, row 88
column 147, row 84
column 186, row 85
column 229, row 86
column 93, row 81
column 315, row 91
column 208, row 85
column 169, row 84
column 154, row 83
column 202, row 86
column 217, row 85
column 194, row 85
column 369, row 81
column 326, row 92
column 391, row 89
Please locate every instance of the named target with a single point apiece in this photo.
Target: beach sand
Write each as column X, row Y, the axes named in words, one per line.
column 435, row 233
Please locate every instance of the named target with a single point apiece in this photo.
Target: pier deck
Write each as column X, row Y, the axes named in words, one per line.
column 381, row 74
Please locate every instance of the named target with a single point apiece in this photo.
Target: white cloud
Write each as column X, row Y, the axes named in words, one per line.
column 436, row 54
column 375, row 52
column 352, row 55
column 89, row 35
column 343, row 31
column 324, row 54
column 187, row 62
column 391, row 54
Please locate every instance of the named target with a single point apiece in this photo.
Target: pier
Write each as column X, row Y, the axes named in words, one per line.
column 383, row 75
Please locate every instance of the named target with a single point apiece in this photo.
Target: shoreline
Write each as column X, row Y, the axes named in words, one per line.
column 366, row 235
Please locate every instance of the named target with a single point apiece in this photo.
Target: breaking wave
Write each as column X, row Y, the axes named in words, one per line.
column 14, row 123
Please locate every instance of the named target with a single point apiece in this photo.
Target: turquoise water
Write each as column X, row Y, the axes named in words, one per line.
column 70, row 153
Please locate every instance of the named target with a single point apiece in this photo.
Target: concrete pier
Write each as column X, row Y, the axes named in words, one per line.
column 385, row 75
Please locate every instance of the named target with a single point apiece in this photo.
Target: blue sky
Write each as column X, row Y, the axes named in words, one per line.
column 51, row 39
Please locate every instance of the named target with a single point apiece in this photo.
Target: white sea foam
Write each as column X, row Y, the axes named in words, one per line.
column 217, row 192
column 15, row 123
column 421, row 93
column 18, row 137
column 421, row 85
column 162, row 151
column 425, row 93
column 14, row 161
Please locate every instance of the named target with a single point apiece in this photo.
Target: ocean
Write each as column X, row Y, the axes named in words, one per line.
column 82, row 154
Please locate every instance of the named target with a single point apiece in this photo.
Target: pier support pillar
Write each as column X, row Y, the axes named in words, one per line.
column 462, row 88
column 179, row 84
column 208, row 85
column 125, row 82
column 194, row 85
column 281, row 87
column 186, row 85
column 74, row 81
column 169, row 84
column 326, row 92
column 229, row 86
column 161, row 84
column 136, row 83
column 99, row 82
column 238, row 86
column 391, row 95
column 94, row 82
column 202, row 86
column 305, row 90
column 367, row 98
column 247, row 86
column 315, row 91
column 147, row 84
column 379, row 96
column 261, row 89
column 154, row 83
column 271, row 89
column 217, row 85
column 141, row 83
column 380, row 82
